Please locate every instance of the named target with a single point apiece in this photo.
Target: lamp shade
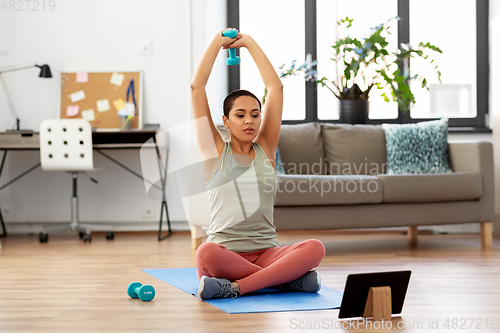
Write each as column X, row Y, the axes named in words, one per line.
column 44, row 71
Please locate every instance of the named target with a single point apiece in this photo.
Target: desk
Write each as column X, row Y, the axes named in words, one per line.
column 101, row 140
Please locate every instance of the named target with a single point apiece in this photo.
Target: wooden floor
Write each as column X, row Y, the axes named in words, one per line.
column 68, row 286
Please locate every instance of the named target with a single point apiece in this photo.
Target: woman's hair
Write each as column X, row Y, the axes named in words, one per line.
column 229, row 100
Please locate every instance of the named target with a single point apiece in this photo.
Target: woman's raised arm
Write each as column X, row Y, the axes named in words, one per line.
column 199, row 101
column 271, row 118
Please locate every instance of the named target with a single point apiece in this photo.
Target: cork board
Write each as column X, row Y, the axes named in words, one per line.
column 96, row 97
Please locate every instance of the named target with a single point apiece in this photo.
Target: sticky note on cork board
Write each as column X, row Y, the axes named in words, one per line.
column 117, row 79
column 82, row 77
column 102, row 105
column 77, row 96
column 88, row 114
column 72, row 110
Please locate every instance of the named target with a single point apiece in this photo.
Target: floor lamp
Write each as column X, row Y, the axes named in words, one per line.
column 44, row 72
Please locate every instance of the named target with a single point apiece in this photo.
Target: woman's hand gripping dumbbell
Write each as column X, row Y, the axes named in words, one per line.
column 233, row 59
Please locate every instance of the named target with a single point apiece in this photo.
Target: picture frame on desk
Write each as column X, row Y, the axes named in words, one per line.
column 98, row 87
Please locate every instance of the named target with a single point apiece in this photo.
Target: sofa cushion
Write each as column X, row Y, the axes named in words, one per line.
column 417, row 148
column 280, row 170
column 354, row 149
column 301, row 149
column 318, row 190
column 457, row 186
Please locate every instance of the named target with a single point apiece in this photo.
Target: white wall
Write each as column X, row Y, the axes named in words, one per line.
column 102, row 35
column 495, row 99
column 209, row 18
column 494, row 19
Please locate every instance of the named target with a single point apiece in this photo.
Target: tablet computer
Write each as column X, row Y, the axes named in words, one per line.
column 358, row 285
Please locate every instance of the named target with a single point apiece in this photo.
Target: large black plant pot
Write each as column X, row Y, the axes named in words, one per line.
column 353, row 111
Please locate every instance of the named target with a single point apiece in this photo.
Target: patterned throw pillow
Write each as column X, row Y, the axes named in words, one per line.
column 279, row 165
column 417, row 148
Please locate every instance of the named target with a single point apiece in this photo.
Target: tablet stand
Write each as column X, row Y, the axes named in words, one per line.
column 379, row 304
column 377, row 295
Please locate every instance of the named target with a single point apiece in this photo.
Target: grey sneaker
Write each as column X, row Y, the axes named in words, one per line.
column 211, row 287
column 309, row 283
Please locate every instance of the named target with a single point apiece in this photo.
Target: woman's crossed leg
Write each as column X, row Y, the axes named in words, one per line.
column 256, row 270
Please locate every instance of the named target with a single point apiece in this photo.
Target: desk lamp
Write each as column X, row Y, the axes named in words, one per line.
column 44, row 72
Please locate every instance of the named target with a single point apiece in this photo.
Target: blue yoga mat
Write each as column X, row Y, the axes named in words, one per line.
column 263, row 300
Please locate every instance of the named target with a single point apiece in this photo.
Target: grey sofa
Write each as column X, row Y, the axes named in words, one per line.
column 352, row 190
column 335, row 178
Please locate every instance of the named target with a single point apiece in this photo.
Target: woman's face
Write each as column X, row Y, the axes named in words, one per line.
column 244, row 118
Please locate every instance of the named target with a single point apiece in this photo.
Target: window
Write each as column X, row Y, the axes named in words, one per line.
column 328, row 13
column 455, row 97
column 462, row 34
column 282, row 45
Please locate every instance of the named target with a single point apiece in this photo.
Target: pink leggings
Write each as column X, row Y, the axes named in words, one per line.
column 261, row 269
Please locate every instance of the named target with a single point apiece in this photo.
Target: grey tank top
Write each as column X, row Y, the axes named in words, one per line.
column 242, row 202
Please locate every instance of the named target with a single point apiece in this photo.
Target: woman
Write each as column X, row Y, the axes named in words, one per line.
column 241, row 253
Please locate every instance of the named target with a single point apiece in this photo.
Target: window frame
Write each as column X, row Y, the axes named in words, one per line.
column 476, row 124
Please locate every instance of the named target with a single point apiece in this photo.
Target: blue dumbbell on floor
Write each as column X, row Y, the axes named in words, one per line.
column 144, row 292
column 233, row 59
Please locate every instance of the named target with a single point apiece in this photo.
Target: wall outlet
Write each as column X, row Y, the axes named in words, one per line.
column 145, row 48
column 148, row 211
column 6, row 209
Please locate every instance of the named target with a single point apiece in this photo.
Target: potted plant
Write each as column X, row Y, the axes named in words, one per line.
column 366, row 63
